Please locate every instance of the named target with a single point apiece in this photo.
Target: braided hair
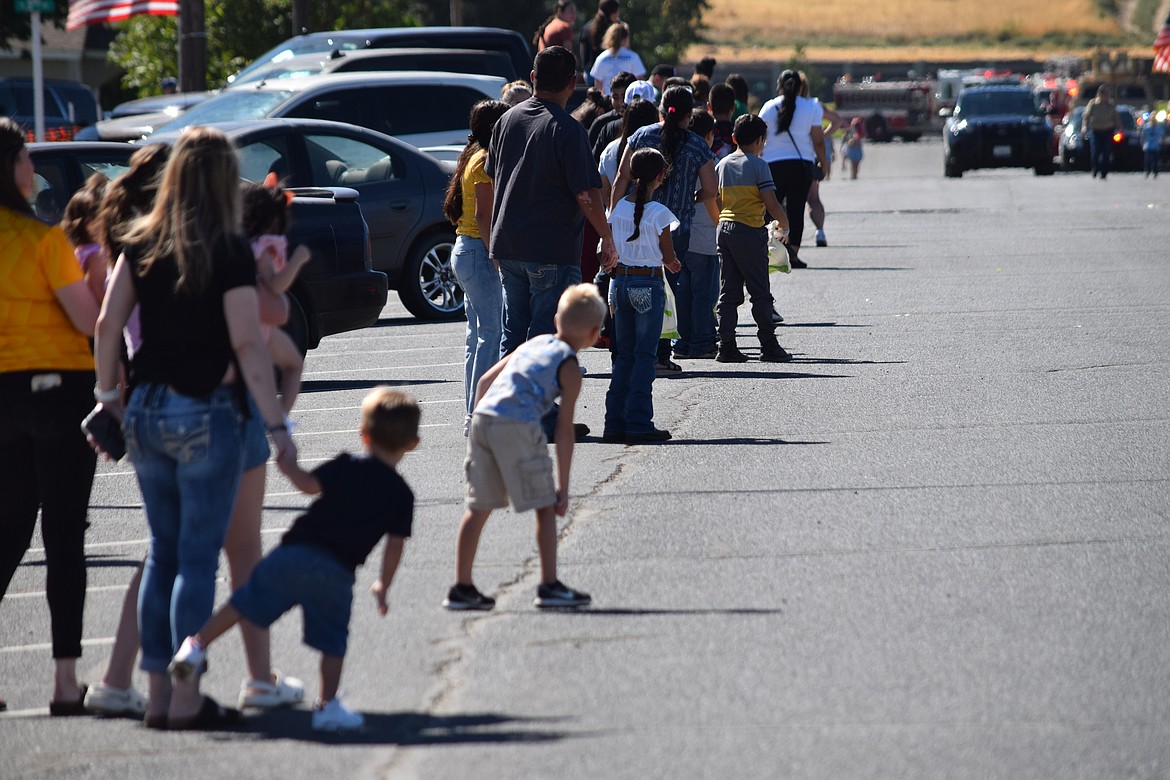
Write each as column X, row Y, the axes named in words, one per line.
column 484, row 116
column 677, row 105
column 789, row 88
column 646, row 165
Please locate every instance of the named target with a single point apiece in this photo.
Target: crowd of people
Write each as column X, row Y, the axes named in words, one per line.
column 179, row 273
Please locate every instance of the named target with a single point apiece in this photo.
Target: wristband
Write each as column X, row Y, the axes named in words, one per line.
column 107, row 396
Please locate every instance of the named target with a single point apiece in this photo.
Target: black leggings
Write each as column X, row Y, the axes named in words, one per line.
column 46, row 464
column 792, row 185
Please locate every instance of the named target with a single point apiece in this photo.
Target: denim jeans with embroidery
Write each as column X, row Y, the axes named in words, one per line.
column 188, row 454
column 639, row 302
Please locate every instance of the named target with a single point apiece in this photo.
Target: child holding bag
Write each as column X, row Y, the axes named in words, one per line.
column 638, row 298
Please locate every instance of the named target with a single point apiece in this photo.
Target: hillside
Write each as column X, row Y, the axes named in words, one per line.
column 910, row 30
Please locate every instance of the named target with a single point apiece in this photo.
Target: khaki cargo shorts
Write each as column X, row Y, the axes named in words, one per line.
column 508, row 459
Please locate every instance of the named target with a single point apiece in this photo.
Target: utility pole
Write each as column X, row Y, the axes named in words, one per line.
column 192, row 46
column 456, row 13
column 300, row 17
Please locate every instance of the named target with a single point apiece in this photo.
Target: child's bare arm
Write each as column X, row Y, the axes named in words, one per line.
column 775, row 211
column 302, row 480
column 712, row 209
column 391, row 557
column 273, row 306
column 287, row 358
column 666, row 245
column 569, row 376
column 486, row 380
column 280, row 281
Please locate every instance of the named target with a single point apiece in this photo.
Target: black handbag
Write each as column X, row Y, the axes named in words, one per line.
column 811, row 167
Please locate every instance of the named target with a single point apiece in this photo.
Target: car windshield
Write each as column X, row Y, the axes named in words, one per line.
column 1128, row 122
column 230, row 106
column 288, row 50
column 1014, row 103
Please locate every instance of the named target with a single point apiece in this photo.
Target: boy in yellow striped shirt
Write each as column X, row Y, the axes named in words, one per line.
column 747, row 191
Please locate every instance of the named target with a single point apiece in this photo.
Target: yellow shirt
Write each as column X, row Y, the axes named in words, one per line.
column 35, row 333
column 473, row 174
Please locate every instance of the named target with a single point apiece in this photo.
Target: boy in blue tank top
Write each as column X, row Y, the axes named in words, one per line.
column 507, row 451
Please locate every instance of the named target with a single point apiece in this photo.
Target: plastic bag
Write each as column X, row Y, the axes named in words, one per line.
column 670, row 313
column 778, row 258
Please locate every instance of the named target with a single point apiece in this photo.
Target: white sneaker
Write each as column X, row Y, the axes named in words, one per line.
column 278, row 693
column 107, row 700
column 189, row 661
column 333, row 715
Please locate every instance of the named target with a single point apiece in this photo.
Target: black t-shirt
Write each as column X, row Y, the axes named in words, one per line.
column 600, row 122
column 539, row 160
column 362, row 499
column 185, row 341
column 605, row 136
column 585, row 45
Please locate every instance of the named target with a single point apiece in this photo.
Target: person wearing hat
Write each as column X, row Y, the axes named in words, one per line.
column 637, row 90
column 170, row 85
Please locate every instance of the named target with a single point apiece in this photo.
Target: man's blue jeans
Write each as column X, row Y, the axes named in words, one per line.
column 483, row 299
column 531, row 294
column 1100, row 151
column 188, row 454
column 638, row 305
column 698, row 290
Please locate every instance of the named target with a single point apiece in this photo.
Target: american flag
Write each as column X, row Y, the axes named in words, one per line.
column 1162, row 48
column 83, row 12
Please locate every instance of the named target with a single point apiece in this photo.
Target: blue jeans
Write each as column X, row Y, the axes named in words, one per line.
column 483, row 298
column 1100, row 150
column 188, row 454
column 638, row 305
column 698, row 289
column 531, row 294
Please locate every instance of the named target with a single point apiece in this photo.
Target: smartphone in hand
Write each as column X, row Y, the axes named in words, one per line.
column 105, row 429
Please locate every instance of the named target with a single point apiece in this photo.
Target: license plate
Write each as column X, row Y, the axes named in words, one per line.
column 1003, row 150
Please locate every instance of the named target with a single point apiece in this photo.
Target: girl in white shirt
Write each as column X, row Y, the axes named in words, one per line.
column 638, row 298
column 616, row 58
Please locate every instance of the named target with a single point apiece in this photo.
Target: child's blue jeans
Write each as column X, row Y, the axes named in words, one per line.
column 639, row 302
column 698, row 289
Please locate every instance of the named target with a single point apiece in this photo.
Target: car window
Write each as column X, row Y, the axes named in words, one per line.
column 261, row 158
column 229, row 106
column 338, row 105
column 338, row 160
column 423, row 108
column 20, row 101
column 1011, row 103
column 110, row 168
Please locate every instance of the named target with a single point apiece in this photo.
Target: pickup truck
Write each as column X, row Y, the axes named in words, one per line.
column 336, row 292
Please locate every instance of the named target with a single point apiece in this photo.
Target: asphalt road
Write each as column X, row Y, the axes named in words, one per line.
column 935, row 545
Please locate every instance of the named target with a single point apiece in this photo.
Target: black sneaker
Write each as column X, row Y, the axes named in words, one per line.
column 558, row 595
column 774, row 353
column 730, row 355
column 467, row 597
column 796, row 262
column 648, row 437
column 580, row 431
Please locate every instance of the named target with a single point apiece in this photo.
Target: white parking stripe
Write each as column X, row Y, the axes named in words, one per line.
column 106, row 640
column 383, row 368
column 41, row 593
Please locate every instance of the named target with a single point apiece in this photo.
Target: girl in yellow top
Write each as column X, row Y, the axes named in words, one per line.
column 469, row 207
column 46, row 386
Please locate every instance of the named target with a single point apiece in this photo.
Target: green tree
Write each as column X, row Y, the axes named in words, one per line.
column 237, row 32
column 661, row 29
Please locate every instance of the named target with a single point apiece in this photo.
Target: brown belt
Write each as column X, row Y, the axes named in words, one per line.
column 637, row 270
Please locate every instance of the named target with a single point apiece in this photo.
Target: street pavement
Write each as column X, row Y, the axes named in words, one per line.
column 934, row 545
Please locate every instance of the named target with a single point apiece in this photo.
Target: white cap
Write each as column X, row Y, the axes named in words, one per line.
column 642, row 89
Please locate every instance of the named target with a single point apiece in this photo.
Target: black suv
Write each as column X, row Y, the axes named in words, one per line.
column 997, row 127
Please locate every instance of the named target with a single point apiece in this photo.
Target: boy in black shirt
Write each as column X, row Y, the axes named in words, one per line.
column 362, row 499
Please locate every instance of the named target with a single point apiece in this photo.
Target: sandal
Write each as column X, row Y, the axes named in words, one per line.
column 68, row 709
column 281, row 691
column 212, row 716
column 155, row 721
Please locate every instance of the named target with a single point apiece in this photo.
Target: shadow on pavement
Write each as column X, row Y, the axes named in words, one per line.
column 409, row 728
column 652, row 612
column 817, row 325
column 325, row 385
column 855, row 268
column 734, row 374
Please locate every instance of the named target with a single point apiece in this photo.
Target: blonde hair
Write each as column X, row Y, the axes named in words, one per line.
column 196, row 212
column 615, row 36
column 390, row 418
column 581, row 308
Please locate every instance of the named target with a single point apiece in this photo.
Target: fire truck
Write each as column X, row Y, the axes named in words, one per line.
column 904, row 109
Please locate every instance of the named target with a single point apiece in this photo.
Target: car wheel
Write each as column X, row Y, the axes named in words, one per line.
column 911, row 137
column 952, row 171
column 428, row 288
column 1045, row 168
column 297, row 326
column 876, row 128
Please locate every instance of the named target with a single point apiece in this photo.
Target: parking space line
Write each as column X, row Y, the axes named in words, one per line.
column 40, row 593
column 387, row 351
column 106, row 640
column 381, row 368
column 358, row 406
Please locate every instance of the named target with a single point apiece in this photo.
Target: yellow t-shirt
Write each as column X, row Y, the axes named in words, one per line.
column 35, row 333
column 473, row 174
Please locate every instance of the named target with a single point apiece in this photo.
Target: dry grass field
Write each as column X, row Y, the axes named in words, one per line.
column 905, row 30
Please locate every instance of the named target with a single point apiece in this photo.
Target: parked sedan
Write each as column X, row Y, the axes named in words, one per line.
column 1127, row 143
column 401, row 191
column 336, row 292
